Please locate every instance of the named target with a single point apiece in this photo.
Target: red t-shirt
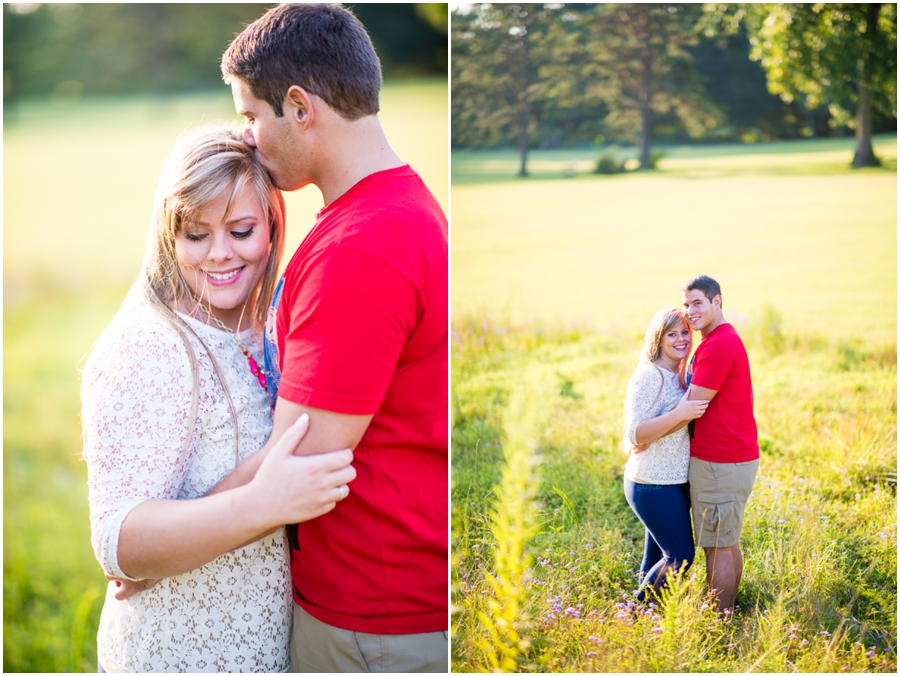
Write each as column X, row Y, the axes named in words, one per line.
column 727, row 431
column 361, row 328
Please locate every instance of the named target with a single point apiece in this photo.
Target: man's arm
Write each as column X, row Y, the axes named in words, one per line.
column 696, row 392
column 328, row 431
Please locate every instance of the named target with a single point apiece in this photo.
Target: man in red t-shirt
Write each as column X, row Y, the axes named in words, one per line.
column 357, row 339
column 724, row 448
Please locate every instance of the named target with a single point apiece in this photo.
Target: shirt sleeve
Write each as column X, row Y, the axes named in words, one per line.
column 136, row 402
column 639, row 399
column 712, row 366
column 351, row 315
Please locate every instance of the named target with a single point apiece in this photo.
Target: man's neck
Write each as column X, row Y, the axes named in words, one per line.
column 353, row 151
column 716, row 324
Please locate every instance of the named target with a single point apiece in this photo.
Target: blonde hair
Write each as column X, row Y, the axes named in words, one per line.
column 207, row 163
column 663, row 322
column 651, row 352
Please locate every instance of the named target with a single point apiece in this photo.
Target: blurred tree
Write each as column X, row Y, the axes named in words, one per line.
column 738, row 88
column 500, row 64
column 842, row 55
column 113, row 48
column 639, row 52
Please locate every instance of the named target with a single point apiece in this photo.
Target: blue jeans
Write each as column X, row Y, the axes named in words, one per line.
column 665, row 512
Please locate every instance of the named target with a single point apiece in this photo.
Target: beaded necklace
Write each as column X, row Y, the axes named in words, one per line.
column 254, row 367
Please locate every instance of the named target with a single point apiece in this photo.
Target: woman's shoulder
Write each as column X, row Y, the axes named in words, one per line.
column 647, row 373
column 140, row 333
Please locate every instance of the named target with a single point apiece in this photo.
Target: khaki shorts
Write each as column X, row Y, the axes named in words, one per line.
column 317, row 647
column 719, row 493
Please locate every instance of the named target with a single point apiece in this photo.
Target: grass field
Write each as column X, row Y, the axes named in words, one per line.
column 785, row 225
column 78, row 188
column 553, row 282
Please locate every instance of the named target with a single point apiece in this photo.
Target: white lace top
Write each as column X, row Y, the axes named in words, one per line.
column 234, row 613
column 666, row 460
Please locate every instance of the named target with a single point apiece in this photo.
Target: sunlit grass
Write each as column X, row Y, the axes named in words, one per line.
column 819, row 586
column 608, row 251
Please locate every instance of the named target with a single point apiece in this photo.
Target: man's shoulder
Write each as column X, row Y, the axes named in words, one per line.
column 394, row 198
column 725, row 337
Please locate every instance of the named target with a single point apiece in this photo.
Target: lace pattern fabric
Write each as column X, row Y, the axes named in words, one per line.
column 234, row 613
column 666, row 460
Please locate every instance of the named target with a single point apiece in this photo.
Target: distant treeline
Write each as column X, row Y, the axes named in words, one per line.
column 529, row 75
column 72, row 49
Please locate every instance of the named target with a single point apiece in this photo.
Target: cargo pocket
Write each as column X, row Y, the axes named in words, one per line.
column 715, row 508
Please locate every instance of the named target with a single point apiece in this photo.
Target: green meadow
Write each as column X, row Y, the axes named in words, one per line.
column 554, row 279
column 784, row 225
column 79, row 178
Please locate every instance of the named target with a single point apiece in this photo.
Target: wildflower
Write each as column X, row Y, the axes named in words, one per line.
column 870, row 653
column 591, row 653
column 705, row 606
column 804, row 642
column 656, row 630
column 594, row 639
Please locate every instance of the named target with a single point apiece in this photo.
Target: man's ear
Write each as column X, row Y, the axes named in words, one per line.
column 718, row 298
column 298, row 106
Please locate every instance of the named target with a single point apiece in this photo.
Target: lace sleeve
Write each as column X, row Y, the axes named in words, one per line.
column 642, row 393
column 136, row 404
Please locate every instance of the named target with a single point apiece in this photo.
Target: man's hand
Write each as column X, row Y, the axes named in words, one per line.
column 640, row 448
column 125, row 589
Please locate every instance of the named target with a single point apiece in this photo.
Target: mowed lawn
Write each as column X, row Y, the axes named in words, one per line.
column 79, row 180
column 787, row 225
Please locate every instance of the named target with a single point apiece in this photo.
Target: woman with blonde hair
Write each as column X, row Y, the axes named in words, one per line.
column 657, row 412
column 173, row 400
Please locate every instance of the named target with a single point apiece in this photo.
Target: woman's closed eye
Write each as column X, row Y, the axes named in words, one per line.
column 241, row 234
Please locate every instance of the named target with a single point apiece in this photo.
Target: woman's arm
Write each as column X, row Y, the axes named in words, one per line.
column 136, row 393
column 651, row 429
column 161, row 538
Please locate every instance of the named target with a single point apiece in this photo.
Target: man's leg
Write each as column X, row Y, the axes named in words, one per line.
column 722, row 575
column 738, row 558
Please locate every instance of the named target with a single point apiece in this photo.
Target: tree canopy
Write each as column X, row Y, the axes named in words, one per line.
column 115, row 48
column 841, row 55
column 550, row 74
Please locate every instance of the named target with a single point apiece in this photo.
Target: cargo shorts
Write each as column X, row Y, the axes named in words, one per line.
column 719, row 492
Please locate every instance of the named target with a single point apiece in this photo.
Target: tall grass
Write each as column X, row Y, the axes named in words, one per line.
column 819, row 586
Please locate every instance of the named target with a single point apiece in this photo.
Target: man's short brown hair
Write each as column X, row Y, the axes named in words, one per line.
column 320, row 47
column 705, row 284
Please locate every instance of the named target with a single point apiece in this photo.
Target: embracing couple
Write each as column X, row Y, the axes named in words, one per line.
column 691, row 435
column 221, row 403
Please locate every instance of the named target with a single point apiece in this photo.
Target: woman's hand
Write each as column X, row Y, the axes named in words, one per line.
column 690, row 409
column 291, row 489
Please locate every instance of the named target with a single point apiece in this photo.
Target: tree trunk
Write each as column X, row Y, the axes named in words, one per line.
column 644, row 93
column 865, row 156
column 523, row 139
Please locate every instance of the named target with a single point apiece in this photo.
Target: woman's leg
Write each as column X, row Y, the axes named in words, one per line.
column 665, row 512
column 652, row 552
